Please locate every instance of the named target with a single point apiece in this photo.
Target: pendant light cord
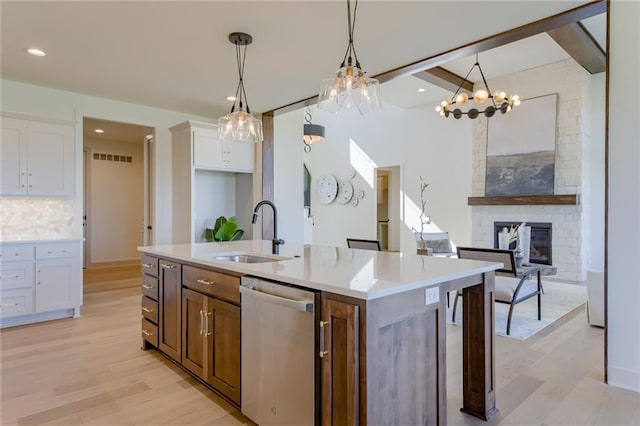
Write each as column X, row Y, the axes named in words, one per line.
column 241, row 56
column 351, row 28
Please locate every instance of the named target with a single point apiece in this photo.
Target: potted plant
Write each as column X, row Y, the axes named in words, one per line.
column 224, row 230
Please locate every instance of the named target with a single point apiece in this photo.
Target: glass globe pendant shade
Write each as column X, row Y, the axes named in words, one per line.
column 349, row 88
column 239, row 126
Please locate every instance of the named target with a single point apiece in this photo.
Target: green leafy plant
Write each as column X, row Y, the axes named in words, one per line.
column 224, row 230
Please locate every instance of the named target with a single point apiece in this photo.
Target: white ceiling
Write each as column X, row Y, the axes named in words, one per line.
column 114, row 131
column 176, row 55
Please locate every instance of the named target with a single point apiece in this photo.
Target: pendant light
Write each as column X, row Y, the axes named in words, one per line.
column 239, row 125
column 350, row 86
column 312, row 133
column 496, row 101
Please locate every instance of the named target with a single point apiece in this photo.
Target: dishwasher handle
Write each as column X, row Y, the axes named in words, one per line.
column 305, row 305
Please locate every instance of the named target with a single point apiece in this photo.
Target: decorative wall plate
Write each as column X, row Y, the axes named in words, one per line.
column 326, row 188
column 345, row 191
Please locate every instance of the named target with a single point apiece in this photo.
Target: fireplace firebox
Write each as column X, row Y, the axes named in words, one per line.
column 541, row 248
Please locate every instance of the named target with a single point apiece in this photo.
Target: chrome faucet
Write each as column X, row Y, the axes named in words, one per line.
column 275, row 242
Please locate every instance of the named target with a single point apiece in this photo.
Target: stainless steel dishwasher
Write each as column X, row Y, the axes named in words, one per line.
column 279, row 368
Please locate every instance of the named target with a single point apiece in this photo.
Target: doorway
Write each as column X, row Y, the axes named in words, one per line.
column 117, row 187
column 388, row 207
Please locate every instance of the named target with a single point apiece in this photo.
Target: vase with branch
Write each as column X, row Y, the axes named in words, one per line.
column 425, row 219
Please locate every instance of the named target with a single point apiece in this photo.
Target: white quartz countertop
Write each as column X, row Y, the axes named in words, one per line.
column 363, row 274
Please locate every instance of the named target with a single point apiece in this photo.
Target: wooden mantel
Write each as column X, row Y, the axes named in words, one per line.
column 522, row 200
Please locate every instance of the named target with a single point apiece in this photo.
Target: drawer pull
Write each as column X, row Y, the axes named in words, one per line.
column 147, row 265
column 147, row 333
column 147, row 310
column 165, row 266
column 205, row 282
column 147, row 286
column 6, row 305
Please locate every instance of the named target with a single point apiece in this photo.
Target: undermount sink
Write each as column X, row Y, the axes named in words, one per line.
column 249, row 258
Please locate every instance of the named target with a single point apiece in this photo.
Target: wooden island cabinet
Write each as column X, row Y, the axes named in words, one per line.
column 192, row 315
column 380, row 340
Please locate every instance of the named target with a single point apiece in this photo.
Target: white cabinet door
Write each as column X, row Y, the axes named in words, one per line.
column 239, row 156
column 37, row 158
column 56, row 285
column 13, row 157
column 50, row 159
column 207, row 149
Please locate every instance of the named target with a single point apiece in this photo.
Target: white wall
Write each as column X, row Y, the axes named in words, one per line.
column 417, row 139
column 51, row 103
column 288, row 185
column 623, row 258
column 116, row 196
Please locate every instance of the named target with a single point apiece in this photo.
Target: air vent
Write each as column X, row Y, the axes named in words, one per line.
column 113, row 157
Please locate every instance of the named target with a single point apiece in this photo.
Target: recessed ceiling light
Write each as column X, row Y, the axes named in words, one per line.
column 231, row 98
column 421, row 90
column 99, row 131
column 36, row 52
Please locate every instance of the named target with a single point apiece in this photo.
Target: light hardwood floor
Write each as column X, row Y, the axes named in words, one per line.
column 91, row 370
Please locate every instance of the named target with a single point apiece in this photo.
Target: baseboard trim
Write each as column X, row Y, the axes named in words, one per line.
column 623, row 378
column 112, row 264
column 33, row 318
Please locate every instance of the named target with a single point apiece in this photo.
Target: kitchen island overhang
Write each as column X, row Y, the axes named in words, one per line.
column 398, row 315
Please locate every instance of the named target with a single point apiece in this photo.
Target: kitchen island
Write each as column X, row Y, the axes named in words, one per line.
column 382, row 345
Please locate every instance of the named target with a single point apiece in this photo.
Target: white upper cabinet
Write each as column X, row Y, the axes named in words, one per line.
column 37, row 158
column 209, row 152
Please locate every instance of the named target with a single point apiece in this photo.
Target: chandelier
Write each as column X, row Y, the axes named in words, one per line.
column 312, row 132
column 498, row 100
column 239, row 125
column 350, row 86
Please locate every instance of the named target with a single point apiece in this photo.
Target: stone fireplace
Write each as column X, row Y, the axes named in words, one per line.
column 566, row 242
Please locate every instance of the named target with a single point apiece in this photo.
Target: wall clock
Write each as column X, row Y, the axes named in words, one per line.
column 326, row 188
column 345, row 191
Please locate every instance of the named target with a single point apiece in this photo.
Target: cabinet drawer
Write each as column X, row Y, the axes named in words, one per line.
column 16, row 275
column 9, row 253
column 48, row 251
column 150, row 332
column 212, row 283
column 149, row 265
column 150, row 309
column 150, row 287
column 16, row 302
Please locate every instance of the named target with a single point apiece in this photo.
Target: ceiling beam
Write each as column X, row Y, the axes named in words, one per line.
column 541, row 26
column 445, row 79
column 580, row 45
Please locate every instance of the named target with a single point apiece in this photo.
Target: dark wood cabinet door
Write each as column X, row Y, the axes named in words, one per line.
column 340, row 363
column 193, row 331
column 223, row 347
column 170, row 296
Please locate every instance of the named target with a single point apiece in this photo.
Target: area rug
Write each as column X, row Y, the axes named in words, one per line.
column 558, row 300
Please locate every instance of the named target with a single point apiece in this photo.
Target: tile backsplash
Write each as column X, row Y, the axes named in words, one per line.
column 23, row 219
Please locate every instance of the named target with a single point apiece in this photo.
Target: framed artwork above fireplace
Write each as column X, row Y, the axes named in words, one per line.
column 521, row 149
